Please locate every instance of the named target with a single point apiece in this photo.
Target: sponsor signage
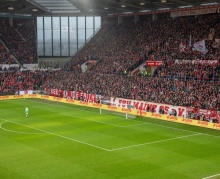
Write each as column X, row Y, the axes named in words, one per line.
column 70, row 100
column 172, row 118
column 32, row 95
column 44, row 97
column 216, row 126
column 92, row 62
column 154, row 63
column 18, row 96
column 97, row 105
column 203, row 123
column 57, row 99
column 84, row 103
column 126, row 110
column 4, row 97
column 156, row 115
column 187, row 121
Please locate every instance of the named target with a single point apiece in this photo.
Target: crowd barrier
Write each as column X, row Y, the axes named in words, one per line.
column 118, row 109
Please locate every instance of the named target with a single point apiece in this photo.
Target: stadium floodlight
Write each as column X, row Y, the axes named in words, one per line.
column 11, row 8
column 160, row 9
column 208, row 4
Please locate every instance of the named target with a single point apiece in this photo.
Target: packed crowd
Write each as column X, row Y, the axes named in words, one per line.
column 23, row 48
column 120, row 47
column 117, row 48
column 11, row 81
column 165, row 42
column 194, row 71
column 27, row 32
column 185, row 92
column 5, row 57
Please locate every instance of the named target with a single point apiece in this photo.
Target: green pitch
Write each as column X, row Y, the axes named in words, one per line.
column 62, row 141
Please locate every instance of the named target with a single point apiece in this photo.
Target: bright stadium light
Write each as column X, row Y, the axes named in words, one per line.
column 11, row 8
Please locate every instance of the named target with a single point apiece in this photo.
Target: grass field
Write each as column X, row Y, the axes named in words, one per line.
column 65, row 141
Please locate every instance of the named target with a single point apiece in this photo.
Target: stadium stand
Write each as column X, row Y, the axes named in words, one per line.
column 24, row 50
column 5, row 57
column 120, row 48
column 22, row 80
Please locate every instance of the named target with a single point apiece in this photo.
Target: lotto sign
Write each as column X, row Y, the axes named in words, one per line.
column 154, row 63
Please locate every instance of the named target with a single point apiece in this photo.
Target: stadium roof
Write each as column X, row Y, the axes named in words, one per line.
column 92, row 7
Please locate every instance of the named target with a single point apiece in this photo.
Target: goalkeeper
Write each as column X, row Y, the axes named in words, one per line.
column 26, row 111
column 129, row 106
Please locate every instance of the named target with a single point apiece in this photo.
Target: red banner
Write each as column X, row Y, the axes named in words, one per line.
column 149, row 106
column 154, row 63
column 78, row 95
column 92, row 61
column 208, row 114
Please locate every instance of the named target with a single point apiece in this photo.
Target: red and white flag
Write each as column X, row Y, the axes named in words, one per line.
column 200, row 46
column 182, row 47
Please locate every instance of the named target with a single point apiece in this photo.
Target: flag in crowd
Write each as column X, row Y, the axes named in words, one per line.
column 200, row 46
column 182, row 47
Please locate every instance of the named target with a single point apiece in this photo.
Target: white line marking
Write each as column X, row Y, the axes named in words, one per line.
column 58, row 135
column 134, row 124
column 211, row 176
column 15, row 131
column 90, row 120
column 132, row 119
column 74, row 109
column 18, row 108
column 153, row 142
column 98, row 121
column 95, row 145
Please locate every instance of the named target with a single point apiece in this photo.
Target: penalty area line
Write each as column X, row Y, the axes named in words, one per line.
column 47, row 132
column 101, row 121
column 211, row 176
column 147, row 143
column 90, row 120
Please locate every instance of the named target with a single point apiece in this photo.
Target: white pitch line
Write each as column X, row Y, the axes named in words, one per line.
column 17, row 108
column 16, row 131
column 211, row 176
column 132, row 119
column 74, row 109
column 131, row 146
column 99, row 121
column 47, row 132
column 134, row 124
column 90, row 120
